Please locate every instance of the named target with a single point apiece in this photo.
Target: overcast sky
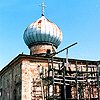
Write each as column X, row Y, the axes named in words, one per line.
column 79, row 21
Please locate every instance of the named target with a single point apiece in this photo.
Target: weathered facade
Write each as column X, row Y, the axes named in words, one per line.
column 16, row 78
column 27, row 78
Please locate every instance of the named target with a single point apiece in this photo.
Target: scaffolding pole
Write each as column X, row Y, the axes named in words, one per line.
column 98, row 81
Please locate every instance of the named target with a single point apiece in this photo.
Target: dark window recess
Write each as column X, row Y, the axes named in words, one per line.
column 68, row 92
column 48, row 52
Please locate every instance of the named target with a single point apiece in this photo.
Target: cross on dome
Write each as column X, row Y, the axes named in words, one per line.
column 43, row 6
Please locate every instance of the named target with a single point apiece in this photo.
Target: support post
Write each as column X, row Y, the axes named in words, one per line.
column 98, row 83
column 53, row 77
column 64, row 84
column 76, row 80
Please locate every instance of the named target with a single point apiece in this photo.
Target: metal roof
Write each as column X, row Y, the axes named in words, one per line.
column 42, row 31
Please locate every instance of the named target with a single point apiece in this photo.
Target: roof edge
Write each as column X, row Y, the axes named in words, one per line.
column 43, row 58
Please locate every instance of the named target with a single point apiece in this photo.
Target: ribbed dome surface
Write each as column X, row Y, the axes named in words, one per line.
column 42, row 31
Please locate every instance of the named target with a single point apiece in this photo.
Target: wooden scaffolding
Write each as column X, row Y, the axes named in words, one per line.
column 70, row 79
column 81, row 81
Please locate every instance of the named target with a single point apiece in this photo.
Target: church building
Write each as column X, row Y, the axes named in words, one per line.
column 42, row 75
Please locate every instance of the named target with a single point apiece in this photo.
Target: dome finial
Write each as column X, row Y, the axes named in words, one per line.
column 43, row 6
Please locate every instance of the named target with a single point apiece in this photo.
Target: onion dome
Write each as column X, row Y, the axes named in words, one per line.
column 42, row 31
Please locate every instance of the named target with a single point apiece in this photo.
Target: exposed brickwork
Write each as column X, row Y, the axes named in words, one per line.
column 31, row 77
column 38, row 49
column 11, row 83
